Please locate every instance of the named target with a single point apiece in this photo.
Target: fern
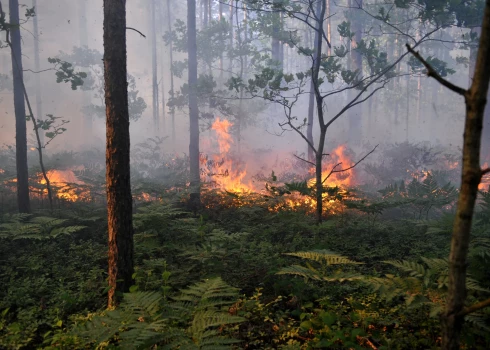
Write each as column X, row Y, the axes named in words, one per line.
column 192, row 321
column 35, row 228
column 325, row 259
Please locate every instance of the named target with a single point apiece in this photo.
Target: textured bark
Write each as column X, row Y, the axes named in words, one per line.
column 171, row 53
column 119, row 201
column 20, row 111
column 475, row 98
column 195, row 199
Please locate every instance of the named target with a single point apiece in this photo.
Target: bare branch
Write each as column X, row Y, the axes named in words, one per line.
column 333, row 171
column 475, row 307
column 485, row 171
column 431, row 72
column 304, row 160
column 137, row 31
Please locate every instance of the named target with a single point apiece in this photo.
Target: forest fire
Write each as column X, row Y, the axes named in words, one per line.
column 66, row 185
column 230, row 176
column 225, row 174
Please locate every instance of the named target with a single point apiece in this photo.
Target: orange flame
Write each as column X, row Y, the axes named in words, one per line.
column 230, row 176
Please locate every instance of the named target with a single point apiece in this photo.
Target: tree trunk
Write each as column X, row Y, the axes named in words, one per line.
column 320, row 11
column 475, row 98
column 119, row 200
column 37, row 66
column 171, row 49
column 195, row 199
column 154, row 68
column 311, row 103
column 23, row 201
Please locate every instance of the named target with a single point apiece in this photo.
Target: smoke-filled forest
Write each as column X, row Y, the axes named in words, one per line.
column 244, row 174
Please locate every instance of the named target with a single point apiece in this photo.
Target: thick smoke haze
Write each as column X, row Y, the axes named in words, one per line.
column 66, row 24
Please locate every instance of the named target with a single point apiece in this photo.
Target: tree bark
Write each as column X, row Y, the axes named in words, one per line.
column 195, row 199
column 119, row 200
column 320, row 10
column 23, row 201
column 475, row 98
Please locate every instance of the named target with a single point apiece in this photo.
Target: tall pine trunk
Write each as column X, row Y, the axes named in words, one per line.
column 23, row 201
column 119, row 200
column 475, row 99
column 195, row 198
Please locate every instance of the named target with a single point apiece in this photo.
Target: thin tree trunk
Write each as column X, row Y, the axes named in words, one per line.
column 119, row 200
column 475, row 99
column 37, row 66
column 23, row 201
column 329, row 27
column 311, row 104
column 195, row 199
column 154, row 68
column 171, row 53
column 320, row 10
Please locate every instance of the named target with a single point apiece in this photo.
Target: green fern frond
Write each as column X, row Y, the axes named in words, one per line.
column 324, row 256
column 414, row 269
column 301, row 271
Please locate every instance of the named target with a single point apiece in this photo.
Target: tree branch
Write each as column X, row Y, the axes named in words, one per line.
column 137, row 31
column 431, row 72
column 333, row 171
column 485, row 171
column 475, row 307
column 304, row 160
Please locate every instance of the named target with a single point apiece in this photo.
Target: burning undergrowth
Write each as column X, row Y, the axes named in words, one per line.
column 270, row 179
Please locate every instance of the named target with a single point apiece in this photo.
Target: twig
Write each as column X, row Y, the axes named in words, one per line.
column 431, row 72
column 485, row 171
column 475, row 307
column 304, row 160
column 137, row 31
column 333, row 171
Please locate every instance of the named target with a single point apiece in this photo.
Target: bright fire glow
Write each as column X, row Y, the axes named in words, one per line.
column 228, row 175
